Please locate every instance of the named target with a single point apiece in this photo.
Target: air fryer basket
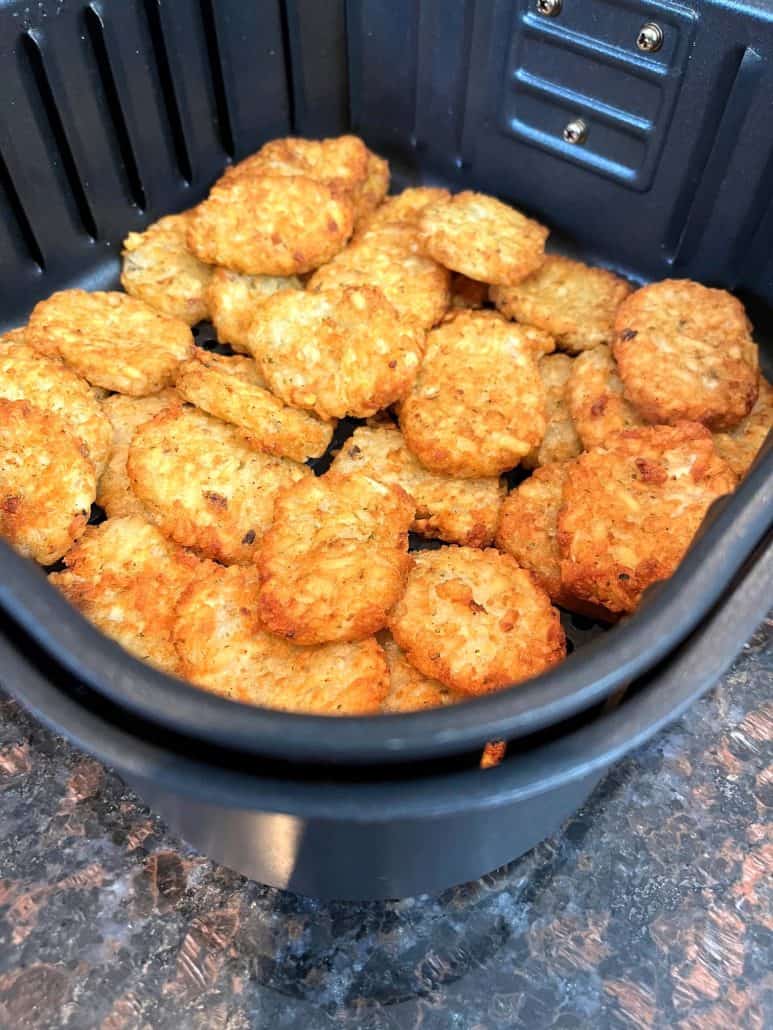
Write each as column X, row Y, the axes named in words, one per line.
column 115, row 112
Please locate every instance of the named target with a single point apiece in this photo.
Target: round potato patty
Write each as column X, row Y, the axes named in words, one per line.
column 475, row 620
column 270, row 225
column 112, row 340
column 685, row 352
column 159, row 269
column 126, row 578
column 47, row 483
column 206, row 486
column 48, row 384
column 477, row 406
column 632, row 507
column 573, row 302
column 224, row 648
column 482, row 238
column 336, row 352
column 335, row 559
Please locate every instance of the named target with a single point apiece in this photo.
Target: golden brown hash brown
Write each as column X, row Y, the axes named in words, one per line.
column 159, row 269
column 597, row 403
column 528, row 526
column 483, row 238
column 111, row 339
column 387, row 257
column 125, row 414
column 573, row 302
column 476, row 621
column 685, row 352
column 528, row 530
column 335, row 558
column 740, row 445
column 270, row 225
column 407, row 207
column 409, row 689
column 233, row 299
column 224, row 648
column 459, row 511
column 47, row 484
column 478, row 403
column 13, row 336
column 126, row 578
column 560, row 441
column 631, row 508
column 48, row 384
column 340, row 163
column 206, row 485
column 230, row 388
column 343, row 163
column 337, row 352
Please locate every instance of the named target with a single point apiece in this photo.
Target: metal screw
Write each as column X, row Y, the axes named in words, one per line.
column 576, row 131
column 650, row 38
column 550, row 8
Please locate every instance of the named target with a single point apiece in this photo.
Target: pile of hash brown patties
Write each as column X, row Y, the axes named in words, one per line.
column 463, row 351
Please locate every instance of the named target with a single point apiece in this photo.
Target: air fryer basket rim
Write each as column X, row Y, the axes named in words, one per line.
column 587, row 677
column 690, row 670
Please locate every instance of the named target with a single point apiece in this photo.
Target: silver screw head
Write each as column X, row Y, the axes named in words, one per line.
column 575, row 131
column 650, row 38
column 550, row 8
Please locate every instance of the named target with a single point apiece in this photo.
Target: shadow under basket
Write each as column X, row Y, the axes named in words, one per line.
column 115, row 113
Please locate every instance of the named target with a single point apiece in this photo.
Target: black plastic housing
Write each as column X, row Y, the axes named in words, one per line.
column 115, row 112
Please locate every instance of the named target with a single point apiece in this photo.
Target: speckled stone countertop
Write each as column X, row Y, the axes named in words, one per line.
column 652, row 908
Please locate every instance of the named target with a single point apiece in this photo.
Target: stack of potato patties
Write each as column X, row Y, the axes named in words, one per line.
column 462, row 351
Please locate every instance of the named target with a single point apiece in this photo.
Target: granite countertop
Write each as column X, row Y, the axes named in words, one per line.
column 651, row 908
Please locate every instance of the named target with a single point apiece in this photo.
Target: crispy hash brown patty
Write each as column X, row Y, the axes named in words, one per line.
column 159, row 269
column 631, row 508
column 340, row 163
column 344, row 164
column 270, row 225
column 233, row 299
column 407, row 207
column 125, row 414
column 336, row 352
column 230, row 388
column 48, row 384
column 475, row 620
column 461, row 511
column 478, row 403
column 528, row 530
column 387, row 257
column 482, row 238
column 409, row 689
column 47, row 484
column 111, row 339
column 740, row 445
column 126, row 578
column 685, row 352
column 206, row 486
column 528, row 526
column 573, row 302
column 224, row 648
column 560, row 441
column 596, row 400
column 335, row 559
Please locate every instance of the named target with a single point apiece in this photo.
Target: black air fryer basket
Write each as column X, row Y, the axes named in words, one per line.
column 641, row 130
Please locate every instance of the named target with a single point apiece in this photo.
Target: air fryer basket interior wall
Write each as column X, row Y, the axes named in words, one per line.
column 114, row 113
